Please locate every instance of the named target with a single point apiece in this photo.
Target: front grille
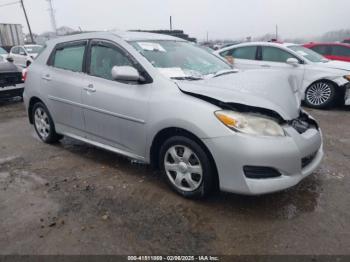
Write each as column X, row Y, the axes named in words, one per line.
column 10, row 79
column 259, row 172
column 307, row 160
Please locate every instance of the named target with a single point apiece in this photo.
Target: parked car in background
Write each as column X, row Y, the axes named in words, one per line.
column 322, row 83
column 347, row 41
column 332, row 51
column 3, row 53
column 167, row 102
column 24, row 55
column 11, row 80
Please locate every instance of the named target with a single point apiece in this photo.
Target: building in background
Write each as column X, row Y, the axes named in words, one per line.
column 11, row 35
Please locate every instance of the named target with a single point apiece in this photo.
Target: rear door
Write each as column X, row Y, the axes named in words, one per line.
column 244, row 57
column 64, row 80
column 22, row 57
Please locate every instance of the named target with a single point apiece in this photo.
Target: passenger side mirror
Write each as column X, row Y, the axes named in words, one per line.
column 126, row 73
column 292, row 61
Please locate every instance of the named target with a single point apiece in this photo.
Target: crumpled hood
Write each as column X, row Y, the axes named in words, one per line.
column 268, row 89
column 336, row 65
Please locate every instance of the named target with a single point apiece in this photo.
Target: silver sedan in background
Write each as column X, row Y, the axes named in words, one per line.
column 169, row 103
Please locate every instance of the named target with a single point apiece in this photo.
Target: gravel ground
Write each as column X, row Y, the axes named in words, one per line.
column 73, row 198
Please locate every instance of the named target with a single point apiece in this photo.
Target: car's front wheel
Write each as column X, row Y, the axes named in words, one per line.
column 321, row 95
column 44, row 125
column 187, row 167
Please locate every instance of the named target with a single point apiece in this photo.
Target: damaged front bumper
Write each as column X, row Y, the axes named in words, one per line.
column 260, row 165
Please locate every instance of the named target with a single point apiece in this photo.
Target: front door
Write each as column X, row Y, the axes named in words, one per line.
column 115, row 112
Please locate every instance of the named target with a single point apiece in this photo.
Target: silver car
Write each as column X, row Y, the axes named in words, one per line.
column 166, row 102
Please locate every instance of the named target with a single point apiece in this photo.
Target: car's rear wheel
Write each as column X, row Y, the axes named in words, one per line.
column 187, row 167
column 321, row 95
column 44, row 125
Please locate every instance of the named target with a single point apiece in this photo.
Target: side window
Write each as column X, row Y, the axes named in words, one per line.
column 225, row 53
column 104, row 58
column 340, row 51
column 321, row 49
column 15, row 50
column 22, row 51
column 70, row 57
column 273, row 54
column 247, row 52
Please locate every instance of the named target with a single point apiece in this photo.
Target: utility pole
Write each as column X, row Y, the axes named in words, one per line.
column 207, row 36
column 276, row 32
column 52, row 16
column 25, row 14
column 171, row 23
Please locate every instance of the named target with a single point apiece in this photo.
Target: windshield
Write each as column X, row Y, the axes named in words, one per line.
column 308, row 54
column 178, row 59
column 33, row 49
column 2, row 51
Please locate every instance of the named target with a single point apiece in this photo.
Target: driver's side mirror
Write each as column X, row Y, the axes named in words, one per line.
column 10, row 59
column 126, row 73
column 292, row 61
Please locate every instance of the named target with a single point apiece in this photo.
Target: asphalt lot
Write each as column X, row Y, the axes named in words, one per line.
column 73, row 198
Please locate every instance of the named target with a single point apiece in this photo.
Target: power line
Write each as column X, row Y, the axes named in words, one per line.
column 25, row 14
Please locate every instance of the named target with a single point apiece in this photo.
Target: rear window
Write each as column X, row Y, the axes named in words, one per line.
column 247, row 52
column 70, row 57
column 341, row 51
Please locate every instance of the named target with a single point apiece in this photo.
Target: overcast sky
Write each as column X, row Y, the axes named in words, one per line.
column 221, row 18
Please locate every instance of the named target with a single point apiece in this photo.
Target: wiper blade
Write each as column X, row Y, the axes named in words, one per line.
column 187, row 78
column 225, row 72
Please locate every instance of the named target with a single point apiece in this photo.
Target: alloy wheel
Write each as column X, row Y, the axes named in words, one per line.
column 319, row 93
column 42, row 123
column 183, row 168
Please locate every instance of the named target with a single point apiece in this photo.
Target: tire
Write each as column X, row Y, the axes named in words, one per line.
column 44, row 125
column 187, row 167
column 321, row 95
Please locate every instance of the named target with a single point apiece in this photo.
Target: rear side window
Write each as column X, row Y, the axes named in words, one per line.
column 340, row 51
column 321, row 49
column 70, row 57
column 273, row 54
column 247, row 52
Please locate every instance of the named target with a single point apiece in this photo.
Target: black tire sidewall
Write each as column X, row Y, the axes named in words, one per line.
column 207, row 166
column 53, row 136
column 329, row 103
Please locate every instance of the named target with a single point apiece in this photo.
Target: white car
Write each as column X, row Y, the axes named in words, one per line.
column 24, row 55
column 323, row 83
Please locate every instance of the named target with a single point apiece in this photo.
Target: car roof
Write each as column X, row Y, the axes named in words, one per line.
column 275, row 44
column 125, row 35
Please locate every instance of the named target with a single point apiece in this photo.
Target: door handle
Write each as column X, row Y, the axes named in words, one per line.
column 46, row 77
column 266, row 66
column 90, row 88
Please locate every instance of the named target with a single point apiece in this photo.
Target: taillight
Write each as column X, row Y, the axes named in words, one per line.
column 24, row 74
